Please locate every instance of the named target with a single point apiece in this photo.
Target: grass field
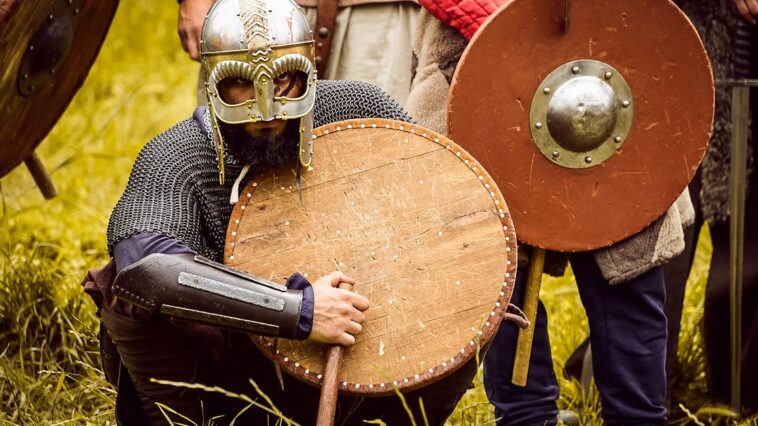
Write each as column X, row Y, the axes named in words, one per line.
column 141, row 84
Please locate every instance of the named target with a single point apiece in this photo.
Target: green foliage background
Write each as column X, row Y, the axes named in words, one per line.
column 141, row 84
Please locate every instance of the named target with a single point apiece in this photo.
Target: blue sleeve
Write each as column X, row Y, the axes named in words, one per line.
column 134, row 248
column 305, row 325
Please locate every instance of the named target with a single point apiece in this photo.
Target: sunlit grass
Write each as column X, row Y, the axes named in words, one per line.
column 141, row 84
column 49, row 357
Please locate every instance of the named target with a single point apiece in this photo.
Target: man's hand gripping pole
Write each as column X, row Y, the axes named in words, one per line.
column 328, row 402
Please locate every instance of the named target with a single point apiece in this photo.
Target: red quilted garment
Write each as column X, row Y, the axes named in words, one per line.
column 464, row 15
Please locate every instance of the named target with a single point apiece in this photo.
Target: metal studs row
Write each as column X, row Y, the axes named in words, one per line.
column 133, row 298
column 416, row 377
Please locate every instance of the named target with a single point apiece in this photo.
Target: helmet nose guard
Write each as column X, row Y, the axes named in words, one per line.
column 258, row 40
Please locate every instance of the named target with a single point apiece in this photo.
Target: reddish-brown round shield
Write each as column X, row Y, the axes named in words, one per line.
column 46, row 50
column 415, row 220
column 584, row 162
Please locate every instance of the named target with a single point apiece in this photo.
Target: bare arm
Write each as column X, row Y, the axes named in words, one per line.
column 191, row 16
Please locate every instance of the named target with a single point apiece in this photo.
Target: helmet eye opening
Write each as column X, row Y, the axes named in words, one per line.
column 236, row 90
column 290, row 85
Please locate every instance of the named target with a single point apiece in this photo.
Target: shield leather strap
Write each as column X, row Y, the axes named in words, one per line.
column 415, row 220
column 46, row 50
column 591, row 130
column 326, row 16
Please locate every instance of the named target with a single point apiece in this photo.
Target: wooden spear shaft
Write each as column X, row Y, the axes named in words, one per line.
column 329, row 388
column 531, row 301
column 740, row 108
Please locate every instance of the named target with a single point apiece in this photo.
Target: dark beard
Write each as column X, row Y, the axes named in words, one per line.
column 266, row 149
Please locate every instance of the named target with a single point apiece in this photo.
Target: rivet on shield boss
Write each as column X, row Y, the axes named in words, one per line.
column 49, row 47
column 596, row 123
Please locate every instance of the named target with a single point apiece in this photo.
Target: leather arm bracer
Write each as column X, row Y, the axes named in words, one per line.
column 197, row 289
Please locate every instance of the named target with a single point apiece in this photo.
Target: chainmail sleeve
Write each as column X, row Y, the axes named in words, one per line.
column 338, row 100
column 164, row 194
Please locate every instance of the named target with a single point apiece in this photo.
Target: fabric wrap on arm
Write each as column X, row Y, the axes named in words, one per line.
column 305, row 325
column 138, row 246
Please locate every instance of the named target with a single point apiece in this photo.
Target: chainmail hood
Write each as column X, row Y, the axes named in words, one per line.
column 173, row 188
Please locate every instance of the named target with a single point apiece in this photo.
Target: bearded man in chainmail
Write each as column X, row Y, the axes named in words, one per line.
column 172, row 312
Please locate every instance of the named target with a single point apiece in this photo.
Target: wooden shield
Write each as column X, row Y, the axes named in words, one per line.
column 415, row 220
column 503, row 72
column 46, row 50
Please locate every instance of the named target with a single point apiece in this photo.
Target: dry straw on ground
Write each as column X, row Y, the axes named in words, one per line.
column 141, row 84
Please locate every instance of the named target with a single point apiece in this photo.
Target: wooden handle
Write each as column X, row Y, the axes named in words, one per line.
column 531, row 301
column 41, row 176
column 329, row 387
column 737, row 185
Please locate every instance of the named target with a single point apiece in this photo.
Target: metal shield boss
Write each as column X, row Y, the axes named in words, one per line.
column 46, row 50
column 592, row 116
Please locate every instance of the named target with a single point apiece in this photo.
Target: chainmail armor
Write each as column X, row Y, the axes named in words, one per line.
column 173, row 187
column 345, row 100
column 718, row 23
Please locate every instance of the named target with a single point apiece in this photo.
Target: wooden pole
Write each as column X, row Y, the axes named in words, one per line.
column 41, row 176
column 329, row 387
column 531, row 301
column 738, row 176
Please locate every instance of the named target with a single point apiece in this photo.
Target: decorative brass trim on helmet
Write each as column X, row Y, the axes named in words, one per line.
column 233, row 69
column 292, row 62
column 254, row 17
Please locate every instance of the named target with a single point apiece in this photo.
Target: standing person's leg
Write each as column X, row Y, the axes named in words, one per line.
column 675, row 274
column 628, row 337
column 514, row 405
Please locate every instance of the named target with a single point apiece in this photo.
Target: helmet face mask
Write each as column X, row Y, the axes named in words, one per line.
column 258, row 41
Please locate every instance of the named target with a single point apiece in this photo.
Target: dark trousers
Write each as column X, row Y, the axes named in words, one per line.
column 628, row 336
column 157, row 348
column 675, row 274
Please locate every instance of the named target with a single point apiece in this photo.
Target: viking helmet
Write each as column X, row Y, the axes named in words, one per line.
column 258, row 40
